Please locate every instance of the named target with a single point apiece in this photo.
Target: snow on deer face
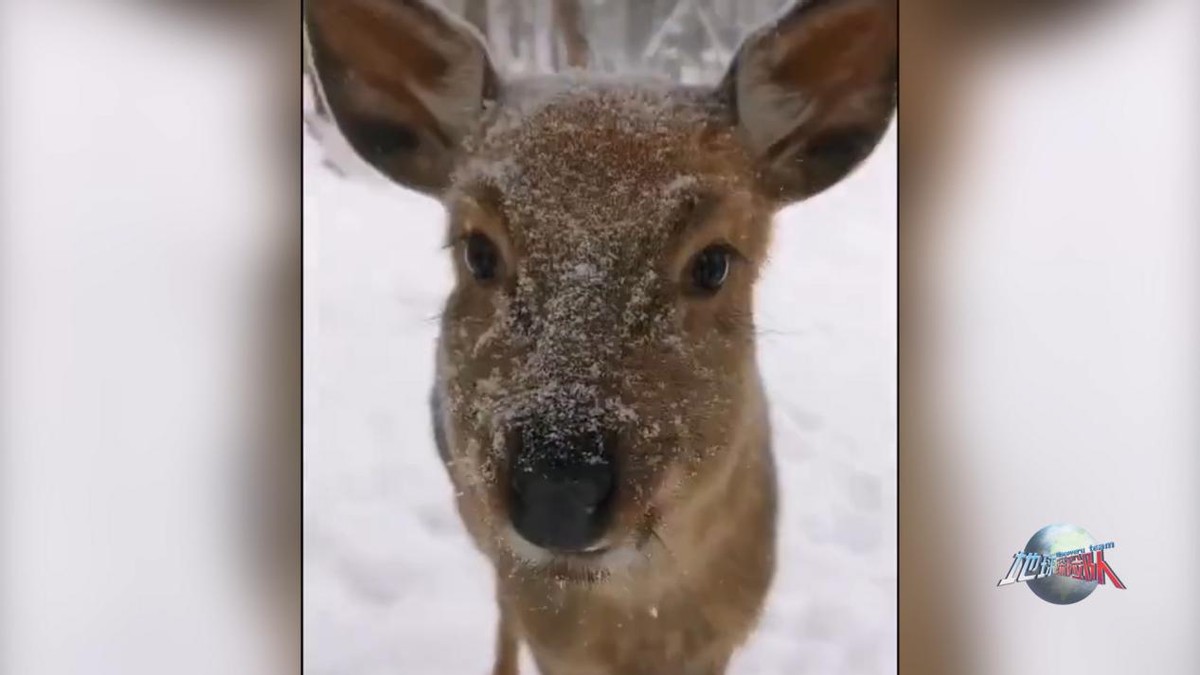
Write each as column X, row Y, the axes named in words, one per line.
column 607, row 236
column 596, row 371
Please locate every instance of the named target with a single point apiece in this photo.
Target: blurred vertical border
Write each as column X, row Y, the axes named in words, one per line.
column 1049, row 261
column 150, row 476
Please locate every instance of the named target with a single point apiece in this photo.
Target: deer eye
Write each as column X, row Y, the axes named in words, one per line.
column 481, row 257
column 710, row 269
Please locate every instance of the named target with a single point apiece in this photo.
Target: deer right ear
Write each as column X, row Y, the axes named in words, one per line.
column 813, row 92
column 404, row 82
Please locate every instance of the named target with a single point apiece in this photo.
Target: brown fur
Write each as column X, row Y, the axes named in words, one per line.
column 696, row 468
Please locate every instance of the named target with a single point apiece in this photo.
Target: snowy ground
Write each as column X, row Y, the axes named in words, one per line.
column 392, row 584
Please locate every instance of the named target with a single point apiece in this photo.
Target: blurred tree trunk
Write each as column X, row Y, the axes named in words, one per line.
column 543, row 37
column 568, row 19
column 522, row 20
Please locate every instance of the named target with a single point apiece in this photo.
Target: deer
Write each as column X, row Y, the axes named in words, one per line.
column 597, row 402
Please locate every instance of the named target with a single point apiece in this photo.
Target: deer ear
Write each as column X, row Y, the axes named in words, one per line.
column 404, row 82
column 813, row 92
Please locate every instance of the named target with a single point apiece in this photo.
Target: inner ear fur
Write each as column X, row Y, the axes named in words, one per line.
column 812, row 93
column 404, row 81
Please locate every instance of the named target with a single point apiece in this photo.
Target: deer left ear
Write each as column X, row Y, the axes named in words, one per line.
column 813, row 92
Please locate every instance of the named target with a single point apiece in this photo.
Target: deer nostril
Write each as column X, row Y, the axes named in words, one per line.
column 562, row 488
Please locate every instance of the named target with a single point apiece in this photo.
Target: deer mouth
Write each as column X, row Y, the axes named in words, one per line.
column 593, row 564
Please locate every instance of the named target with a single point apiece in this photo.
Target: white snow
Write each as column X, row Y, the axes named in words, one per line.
column 393, row 584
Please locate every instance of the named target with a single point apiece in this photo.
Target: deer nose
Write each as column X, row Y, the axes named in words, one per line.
column 562, row 488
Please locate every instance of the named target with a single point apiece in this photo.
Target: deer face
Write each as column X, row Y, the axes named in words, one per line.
column 598, row 346
column 596, row 368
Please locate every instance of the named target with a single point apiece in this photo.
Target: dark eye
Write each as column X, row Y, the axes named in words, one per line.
column 481, row 256
column 710, row 269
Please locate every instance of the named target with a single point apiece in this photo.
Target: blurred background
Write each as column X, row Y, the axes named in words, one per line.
column 687, row 41
column 150, row 333
column 149, row 485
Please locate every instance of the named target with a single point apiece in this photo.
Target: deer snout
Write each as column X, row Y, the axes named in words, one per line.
column 562, row 488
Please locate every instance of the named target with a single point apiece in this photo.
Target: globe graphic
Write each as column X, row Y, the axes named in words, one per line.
column 1055, row 539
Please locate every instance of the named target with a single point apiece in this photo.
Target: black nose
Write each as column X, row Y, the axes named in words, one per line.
column 562, row 487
